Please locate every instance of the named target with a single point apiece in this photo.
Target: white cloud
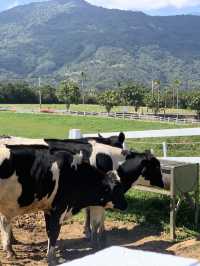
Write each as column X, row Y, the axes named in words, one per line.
column 145, row 4
column 13, row 4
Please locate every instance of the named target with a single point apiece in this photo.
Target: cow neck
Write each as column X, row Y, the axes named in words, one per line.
column 131, row 170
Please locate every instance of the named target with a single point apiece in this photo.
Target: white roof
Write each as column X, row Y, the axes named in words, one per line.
column 120, row 256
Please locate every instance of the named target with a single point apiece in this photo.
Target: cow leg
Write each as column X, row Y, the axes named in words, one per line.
column 53, row 230
column 6, row 236
column 97, row 235
column 102, row 235
column 94, row 235
column 87, row 228
column 97, row 217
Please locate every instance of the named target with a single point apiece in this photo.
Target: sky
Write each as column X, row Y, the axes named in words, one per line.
column 152, row 7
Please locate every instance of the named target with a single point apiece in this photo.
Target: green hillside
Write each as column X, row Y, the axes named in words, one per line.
column 68, row 36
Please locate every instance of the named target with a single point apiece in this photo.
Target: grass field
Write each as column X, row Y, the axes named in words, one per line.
column 57, row 126
column 144, row 208
column 94, row 108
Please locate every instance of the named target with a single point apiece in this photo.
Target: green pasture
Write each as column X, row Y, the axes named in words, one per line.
column 96, row 108
column 146, row 209
column 57, row 126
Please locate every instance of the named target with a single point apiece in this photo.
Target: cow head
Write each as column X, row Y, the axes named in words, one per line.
column 137, row 164
column 93, row 187
column 151, row 170
column 115, row 191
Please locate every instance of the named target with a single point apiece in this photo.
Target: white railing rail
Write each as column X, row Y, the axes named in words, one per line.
column 177, row 132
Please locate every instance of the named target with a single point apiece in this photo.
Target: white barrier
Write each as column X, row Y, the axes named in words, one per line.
column 178, row 132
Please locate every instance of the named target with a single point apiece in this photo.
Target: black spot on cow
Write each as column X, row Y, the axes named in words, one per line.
column 104, row 162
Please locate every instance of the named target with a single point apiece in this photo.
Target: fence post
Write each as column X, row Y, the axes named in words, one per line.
column 164, row 149
column 75, row 134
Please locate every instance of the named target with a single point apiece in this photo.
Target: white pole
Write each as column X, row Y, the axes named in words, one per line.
column 75, row 133
column 152, row 87
column 40, row 96
column 164, row 149
column 177, row 101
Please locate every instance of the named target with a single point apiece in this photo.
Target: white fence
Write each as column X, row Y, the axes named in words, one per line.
column 132, row 116
column 177, row 132
column 116, row 115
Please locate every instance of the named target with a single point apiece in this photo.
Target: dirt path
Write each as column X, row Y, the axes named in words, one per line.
column 32, row 241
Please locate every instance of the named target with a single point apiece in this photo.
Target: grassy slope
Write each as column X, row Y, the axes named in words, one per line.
column 145, row 208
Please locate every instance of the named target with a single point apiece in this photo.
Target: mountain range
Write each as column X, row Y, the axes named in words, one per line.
column 61, row 38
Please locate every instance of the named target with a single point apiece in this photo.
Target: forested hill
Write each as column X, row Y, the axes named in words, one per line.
column 58, row 36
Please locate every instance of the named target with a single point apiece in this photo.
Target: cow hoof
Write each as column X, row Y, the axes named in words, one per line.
column 52, row 262
column 95, row 245
column 103, row 241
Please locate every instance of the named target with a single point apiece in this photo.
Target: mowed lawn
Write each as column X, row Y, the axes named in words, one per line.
column 147, row 209
column 57, row 126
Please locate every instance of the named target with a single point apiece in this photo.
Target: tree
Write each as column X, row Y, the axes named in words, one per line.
column 132, row 94
column 195, row 102
column 109, row 99
column 19, row 92
column 48, row 94
column 68, row 92
column 152, row 102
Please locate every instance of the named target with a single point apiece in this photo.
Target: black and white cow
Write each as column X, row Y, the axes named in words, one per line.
column 107, row 158
column 99, row 152
column 34, row 178
column 135, row 165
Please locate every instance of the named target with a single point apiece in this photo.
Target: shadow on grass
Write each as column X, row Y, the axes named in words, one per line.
column 154, row 210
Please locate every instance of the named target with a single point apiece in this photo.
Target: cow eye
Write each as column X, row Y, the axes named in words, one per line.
column 107, row 189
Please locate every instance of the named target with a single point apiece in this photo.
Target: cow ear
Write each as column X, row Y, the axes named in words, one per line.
column 121, row 137
column 148, row 154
